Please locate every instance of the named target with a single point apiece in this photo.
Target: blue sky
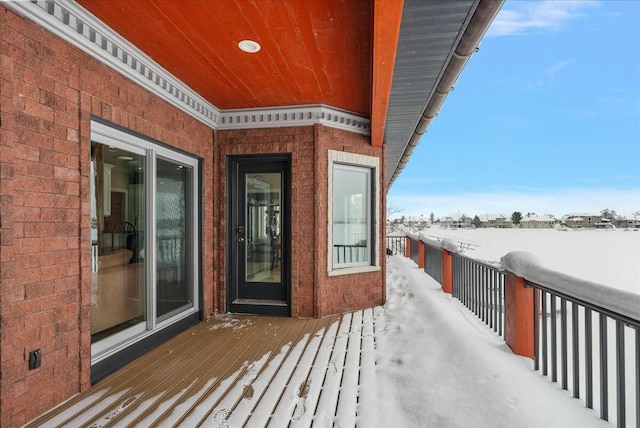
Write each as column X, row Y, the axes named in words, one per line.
column 545, row 118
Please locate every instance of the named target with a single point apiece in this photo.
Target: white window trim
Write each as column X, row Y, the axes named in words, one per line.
column 366, row 162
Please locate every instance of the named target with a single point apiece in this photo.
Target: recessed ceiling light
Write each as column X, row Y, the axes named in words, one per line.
column 249, row 46
column 127, row 158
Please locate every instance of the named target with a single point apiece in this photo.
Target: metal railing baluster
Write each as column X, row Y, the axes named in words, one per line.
column 501, row 303
column 536, row 331
column 545, row 355
column 575, row 335
column 588, row 357
column 604, row 378
column 494, row 303
column 486, row 294
column 620, row 370
column 637, row 358
column 563, row 344
column 554, row 342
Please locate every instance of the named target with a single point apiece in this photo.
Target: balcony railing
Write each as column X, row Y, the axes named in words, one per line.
column 433, row 261
column 480, row 287
column 582, row 335
column 396, row 245
column 414, row 249
column 587, row 338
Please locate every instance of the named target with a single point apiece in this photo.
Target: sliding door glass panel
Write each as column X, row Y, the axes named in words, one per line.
column 117, row 207
column 174, row 238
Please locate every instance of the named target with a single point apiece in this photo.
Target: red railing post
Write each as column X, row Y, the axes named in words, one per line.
column 407, row 252
column 420, row 254
column 447, row 271
column 519, row 316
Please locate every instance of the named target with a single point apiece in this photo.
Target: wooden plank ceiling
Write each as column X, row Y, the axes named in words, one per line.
column 312, row 51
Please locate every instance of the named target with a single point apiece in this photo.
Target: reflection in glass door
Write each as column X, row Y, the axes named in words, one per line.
column 144, row 231
column 118, row 295
column 174, row 246
column 263, row 244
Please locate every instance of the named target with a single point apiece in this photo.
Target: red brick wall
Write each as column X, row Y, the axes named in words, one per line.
column 313, row 292
column 299, row 142
column 336, row 294
column 48, row 90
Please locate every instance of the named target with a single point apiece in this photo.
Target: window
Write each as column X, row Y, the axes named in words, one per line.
column 353, row 213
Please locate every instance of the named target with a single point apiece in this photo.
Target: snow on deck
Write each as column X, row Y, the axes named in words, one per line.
column 421, row 360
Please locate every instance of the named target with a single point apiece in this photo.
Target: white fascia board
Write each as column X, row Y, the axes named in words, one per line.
column 74, row 24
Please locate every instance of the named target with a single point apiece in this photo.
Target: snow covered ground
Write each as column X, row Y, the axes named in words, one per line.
column 439, row 366
column 611, row 258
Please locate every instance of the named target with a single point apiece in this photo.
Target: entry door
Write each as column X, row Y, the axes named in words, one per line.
column 259, row 235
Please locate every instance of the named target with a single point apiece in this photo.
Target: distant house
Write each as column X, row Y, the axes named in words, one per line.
column 416, row 222
column 604, row 223
column 499, row 221
column 538, row 221
column 456, row 221
column 581, row 220
column 632, row 222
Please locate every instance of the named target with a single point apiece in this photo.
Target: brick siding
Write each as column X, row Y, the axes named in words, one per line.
column 48, row 92
column 313, row 292
column 337, row 294
column 299, row 142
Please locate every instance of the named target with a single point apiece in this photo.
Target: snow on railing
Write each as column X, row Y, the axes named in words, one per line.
column 463, row 245
column 564, row 307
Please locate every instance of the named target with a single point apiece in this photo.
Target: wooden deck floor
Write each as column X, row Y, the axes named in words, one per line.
column 235, row 371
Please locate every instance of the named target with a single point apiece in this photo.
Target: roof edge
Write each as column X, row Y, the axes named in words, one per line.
column 482, row 17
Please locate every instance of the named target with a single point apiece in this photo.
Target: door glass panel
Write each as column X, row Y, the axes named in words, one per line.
column 117, row 209
column 174, row 256
column 263, row 242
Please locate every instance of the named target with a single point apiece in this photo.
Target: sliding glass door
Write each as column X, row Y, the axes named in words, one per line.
column 144, row 246
column 174, row 236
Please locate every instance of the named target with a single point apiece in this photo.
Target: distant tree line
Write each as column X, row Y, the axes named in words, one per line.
column 607, row 215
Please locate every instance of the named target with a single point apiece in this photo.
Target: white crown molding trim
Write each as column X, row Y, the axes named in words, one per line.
column 74, row 24
column 71, row 22
column 305, row 115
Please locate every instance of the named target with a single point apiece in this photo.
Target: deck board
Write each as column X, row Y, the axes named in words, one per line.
column 292, row 397
column 235, row 370
column 326, row 409
column 309, row 398
column 348, row 396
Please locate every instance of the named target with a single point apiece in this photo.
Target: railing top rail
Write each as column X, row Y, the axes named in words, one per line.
column 594, row 307
column 396, row 235
column 479, row 262
column 612, row 300
column 431, row 242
